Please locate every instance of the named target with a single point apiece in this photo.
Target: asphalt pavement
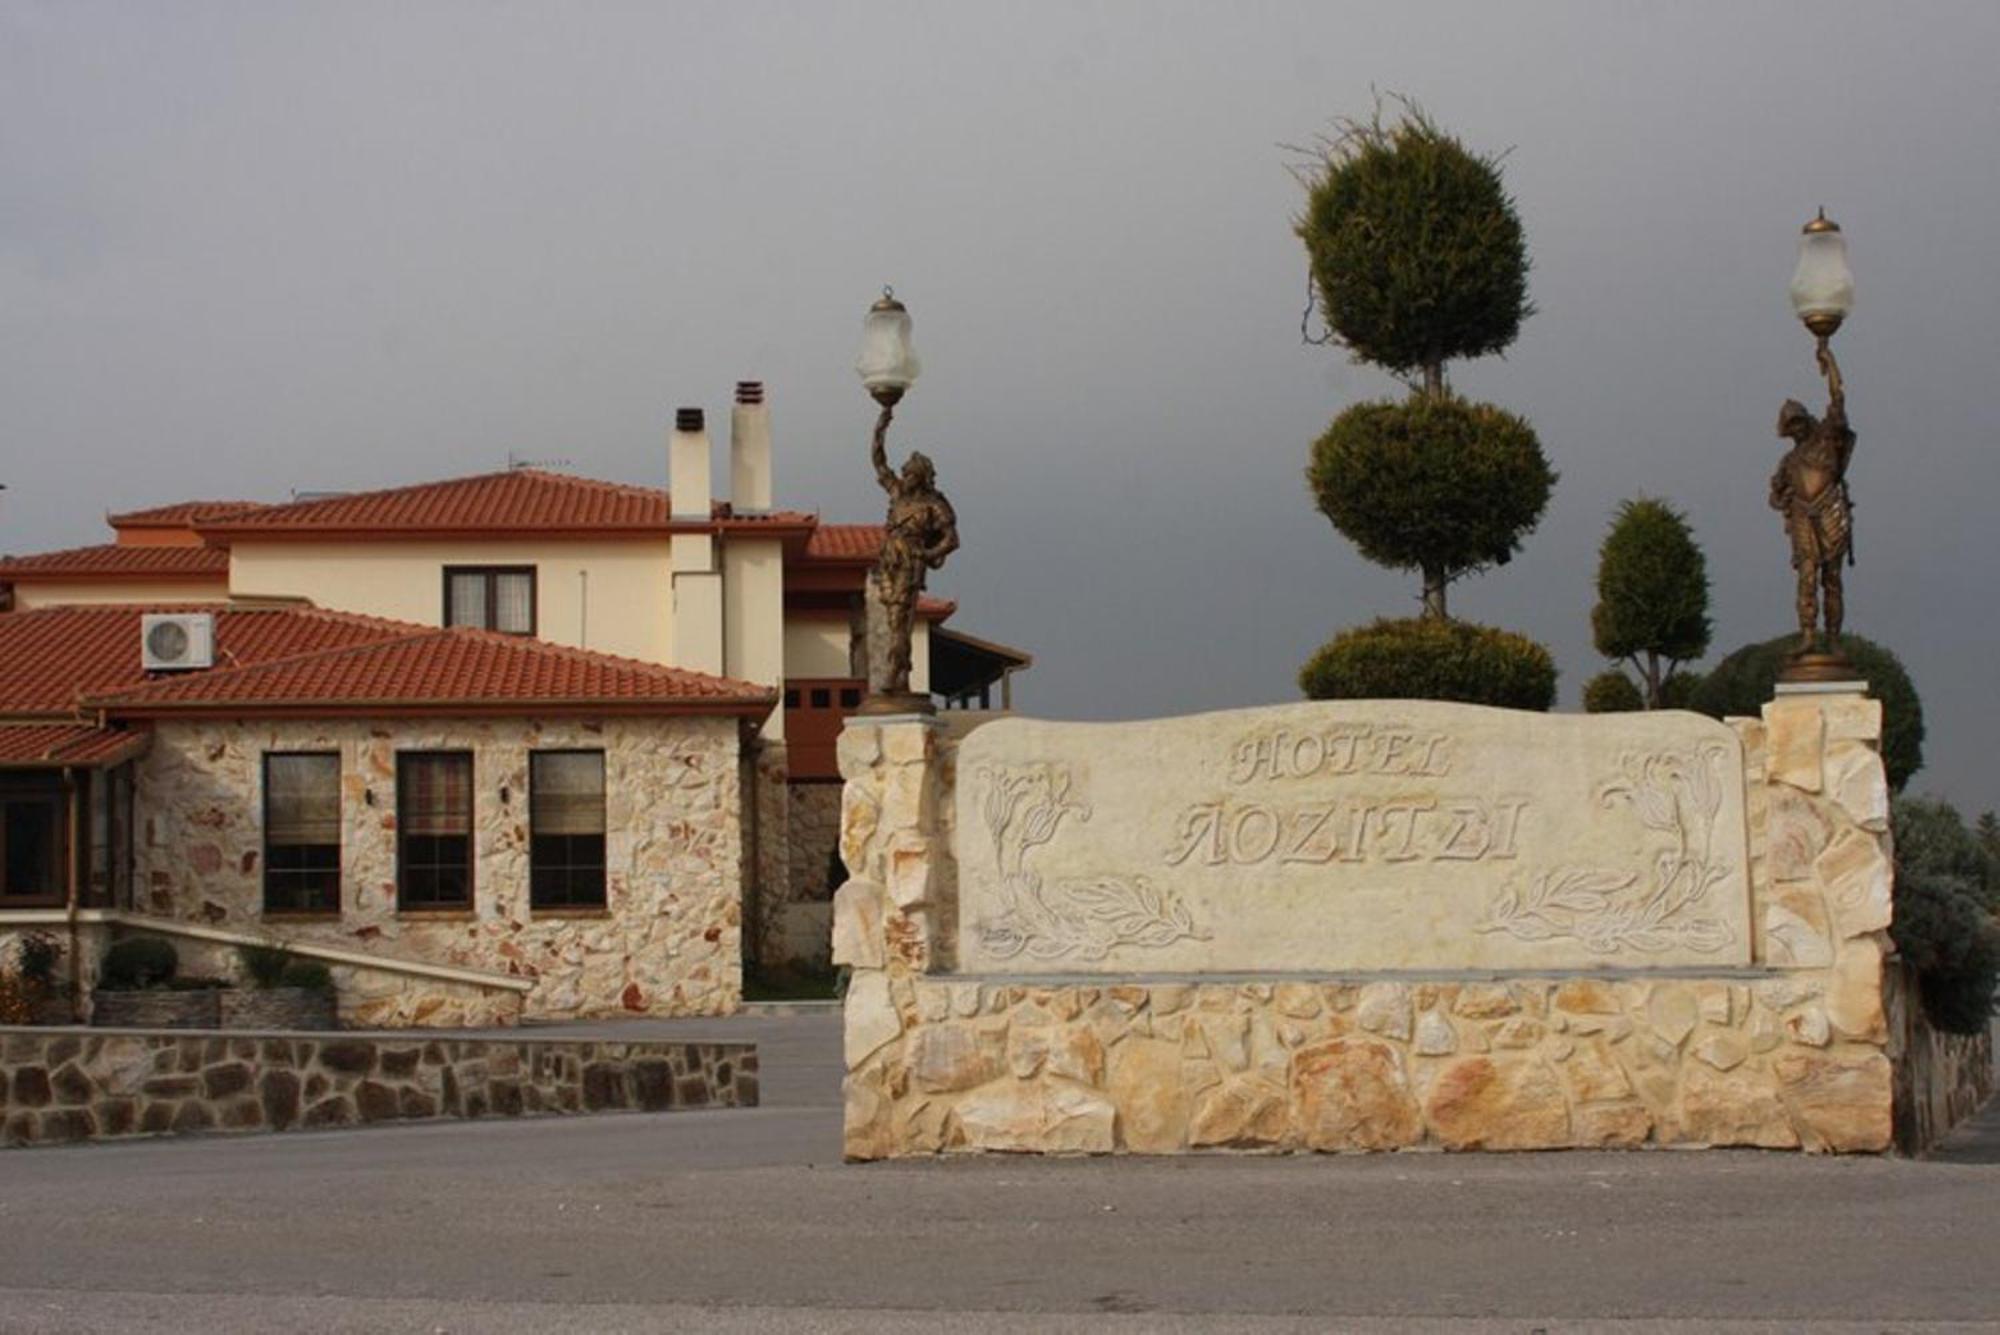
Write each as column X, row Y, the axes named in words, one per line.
column 748, row 1221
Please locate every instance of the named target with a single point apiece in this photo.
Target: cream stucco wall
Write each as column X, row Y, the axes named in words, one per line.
column 816, row 649
column 668, row 941
column 622, row 607
column 30, row 594
column 753, row 618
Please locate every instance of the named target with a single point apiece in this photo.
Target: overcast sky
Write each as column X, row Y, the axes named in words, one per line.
column 257, row 247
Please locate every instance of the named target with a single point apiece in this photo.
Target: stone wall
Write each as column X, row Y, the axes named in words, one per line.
column 668, row 942
column 1788, row 1051
column 60, row 1085
column 1941, row 1078
column 800, row 923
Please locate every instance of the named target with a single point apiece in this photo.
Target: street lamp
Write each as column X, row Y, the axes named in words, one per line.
column 1810, row 487
column 922, row 528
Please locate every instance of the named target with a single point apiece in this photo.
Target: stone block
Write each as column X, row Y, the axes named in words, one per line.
column 1796, row 734
column 1612, row 1126
column 1854, row 992
column 1858, row 880
column 1858, row 784
column 857, row 748
column 1839, row 1101
column 1047, row 1119
column 1435, row 1036
column 1384, row 1008
column 1351, row 1094
column 1498, row 1103
column 1145, row 1086
column 1795, row 832
column 1796, row 934
column 908, row 743
column 857, row 925
column 909, row 869
column 1851, row 718
column 860, row 816
column 1739, row 1107
column 871, row 1020
column 1245, row 1111
column 949, row 1057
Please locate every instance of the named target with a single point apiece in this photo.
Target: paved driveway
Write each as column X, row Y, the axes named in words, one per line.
column 747, row 1221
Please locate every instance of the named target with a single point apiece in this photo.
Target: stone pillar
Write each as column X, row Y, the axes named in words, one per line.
column 889, row 919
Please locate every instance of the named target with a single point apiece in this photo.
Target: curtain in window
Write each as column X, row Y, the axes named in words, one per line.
column 513, row 603
column 467, row 605
column 568, row 792
column 437, row 794
column 302, row 799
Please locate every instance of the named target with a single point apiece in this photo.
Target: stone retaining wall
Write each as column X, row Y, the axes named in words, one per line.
column 1792, row 1051
column 1941, row 1079
column 61, row 1085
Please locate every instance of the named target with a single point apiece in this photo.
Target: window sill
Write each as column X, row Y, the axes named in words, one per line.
column 438, row 915
column 580, row 911
column 303, row 915
column 35, row 904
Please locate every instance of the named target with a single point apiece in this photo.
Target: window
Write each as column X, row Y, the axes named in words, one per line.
column 434, row 830
column 566, row 824
column 491, row 598
column 31, row 845
column 302, row 832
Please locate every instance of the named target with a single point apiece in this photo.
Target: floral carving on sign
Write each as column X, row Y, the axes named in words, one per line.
column 1083, row 917
column 1677, row 793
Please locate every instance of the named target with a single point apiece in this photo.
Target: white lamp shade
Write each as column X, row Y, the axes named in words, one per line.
column 1822, row 284
column 886, row 361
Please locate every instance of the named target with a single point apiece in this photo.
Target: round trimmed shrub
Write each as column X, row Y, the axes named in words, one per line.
column 1680, row 690
column 1432, row 483
column 1612, row 692
column 1417, row 252
column 1430, row 658
column 313, row 975
column 137, row 963
column 1742, row 683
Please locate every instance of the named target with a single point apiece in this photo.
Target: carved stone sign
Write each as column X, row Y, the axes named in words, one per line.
column 1352, row 836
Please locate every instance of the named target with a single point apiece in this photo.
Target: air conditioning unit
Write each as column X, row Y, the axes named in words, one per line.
column 176, row 641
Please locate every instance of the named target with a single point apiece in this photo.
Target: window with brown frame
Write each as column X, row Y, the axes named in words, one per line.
column 498, row 598
column 433, row 830
column 566, row 829
column 302, row 832
column 31, row 845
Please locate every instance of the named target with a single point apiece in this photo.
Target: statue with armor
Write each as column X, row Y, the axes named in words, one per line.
column 1810, row 491
column 922, row 532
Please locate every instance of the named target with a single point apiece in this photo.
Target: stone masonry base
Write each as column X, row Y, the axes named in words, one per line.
column 60, row 1085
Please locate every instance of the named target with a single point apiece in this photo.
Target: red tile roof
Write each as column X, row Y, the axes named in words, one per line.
column 846, row 542
column 180, row 514
column 51, row 657
column 48, row 745
column 446, row 669
column 517, row 501
column 115, row 561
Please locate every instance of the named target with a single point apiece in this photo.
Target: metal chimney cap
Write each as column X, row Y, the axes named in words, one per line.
column 688, row 419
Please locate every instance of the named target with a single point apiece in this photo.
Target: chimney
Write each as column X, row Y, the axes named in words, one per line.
column 687, row 465
column 750, row 450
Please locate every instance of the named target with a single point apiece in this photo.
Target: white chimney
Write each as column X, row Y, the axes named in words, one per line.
column 750, row 450
column 687, row 465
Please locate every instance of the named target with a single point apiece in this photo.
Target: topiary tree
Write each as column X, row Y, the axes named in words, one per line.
column 1612, row 692
column 1652, row 595
column 1417, row 258
column 1743, row 682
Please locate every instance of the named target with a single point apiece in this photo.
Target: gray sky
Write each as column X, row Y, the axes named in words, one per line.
column 255, row 247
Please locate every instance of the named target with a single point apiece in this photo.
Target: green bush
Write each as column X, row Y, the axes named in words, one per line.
column 1743, row 682
column 1680, row 690
column 1612, row 692
column 1432, row 659
column 38, row 955
column 264, row 963
column 1943, row 927
column 1433, row 483
column 312, row 975
column 1652, row 594
column 137, row 963
column 1416, row 250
